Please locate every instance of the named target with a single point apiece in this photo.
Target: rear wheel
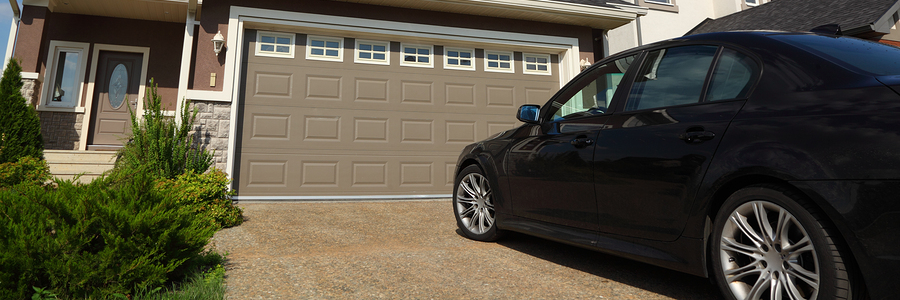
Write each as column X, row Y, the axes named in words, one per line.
column 767, row 245
column 473, row 205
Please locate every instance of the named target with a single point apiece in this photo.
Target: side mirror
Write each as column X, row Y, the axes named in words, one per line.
column 528, row 113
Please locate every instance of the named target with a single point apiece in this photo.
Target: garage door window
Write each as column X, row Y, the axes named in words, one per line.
column 324, row 48
column 275, row 44
column 536, row 64
column 417, row 56
column 498, row 61
column 372, row 52
column 460, row 59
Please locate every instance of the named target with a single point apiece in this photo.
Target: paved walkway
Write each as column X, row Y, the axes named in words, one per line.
column 412, row 250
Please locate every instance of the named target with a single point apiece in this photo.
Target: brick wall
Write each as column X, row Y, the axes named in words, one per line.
column 211, row 128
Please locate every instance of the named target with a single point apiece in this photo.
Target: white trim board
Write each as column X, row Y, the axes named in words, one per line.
column 341, row 198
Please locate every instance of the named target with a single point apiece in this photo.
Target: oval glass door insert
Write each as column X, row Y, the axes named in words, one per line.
column 118, row 86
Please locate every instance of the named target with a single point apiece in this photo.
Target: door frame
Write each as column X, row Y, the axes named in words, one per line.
column 89, row 100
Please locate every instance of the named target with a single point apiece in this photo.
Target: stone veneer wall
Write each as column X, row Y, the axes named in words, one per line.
column 211, row 127
column 60, row 130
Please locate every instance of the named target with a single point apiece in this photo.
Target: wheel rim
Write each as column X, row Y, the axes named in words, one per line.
column 767, row 254
column 474, row 203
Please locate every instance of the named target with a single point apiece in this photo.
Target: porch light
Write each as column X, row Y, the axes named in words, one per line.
column 218, row 42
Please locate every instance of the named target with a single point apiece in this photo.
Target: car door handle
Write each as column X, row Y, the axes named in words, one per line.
column 582, row 142
column 697, row 136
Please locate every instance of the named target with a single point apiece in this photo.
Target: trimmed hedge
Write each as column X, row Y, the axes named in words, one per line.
column 95, row 240
column 27, row 170
column 208, row 194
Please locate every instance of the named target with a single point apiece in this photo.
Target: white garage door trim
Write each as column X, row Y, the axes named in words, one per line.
column 567, row 48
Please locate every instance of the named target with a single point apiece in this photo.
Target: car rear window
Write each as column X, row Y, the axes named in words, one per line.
column 868, row 56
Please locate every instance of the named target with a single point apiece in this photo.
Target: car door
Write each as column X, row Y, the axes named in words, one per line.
column 653, row 152
column 550, row 173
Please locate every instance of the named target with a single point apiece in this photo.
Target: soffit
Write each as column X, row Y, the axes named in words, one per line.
column 152, row 10
column 604, row 15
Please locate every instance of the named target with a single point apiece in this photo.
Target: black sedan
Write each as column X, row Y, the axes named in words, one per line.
column 768, row 161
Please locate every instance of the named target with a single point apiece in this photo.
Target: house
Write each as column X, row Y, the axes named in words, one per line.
column 313, row 99
column 666, row 19
column 869, row 19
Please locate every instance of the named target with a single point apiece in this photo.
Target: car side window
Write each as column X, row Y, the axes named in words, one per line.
column 594, row 94
column 735, row 73
column 672, row 76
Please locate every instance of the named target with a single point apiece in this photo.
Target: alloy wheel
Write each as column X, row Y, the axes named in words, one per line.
column 766, row 253
column 474, row 204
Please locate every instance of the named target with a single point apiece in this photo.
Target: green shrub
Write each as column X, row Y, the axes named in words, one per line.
column 95, row 240
column 207, row 194
column 159, row 145
column 20, row 128
column 28, row 170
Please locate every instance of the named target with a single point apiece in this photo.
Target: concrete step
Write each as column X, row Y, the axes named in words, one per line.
column 66, row 164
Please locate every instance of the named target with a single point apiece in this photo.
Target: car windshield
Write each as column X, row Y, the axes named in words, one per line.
column 868, row 56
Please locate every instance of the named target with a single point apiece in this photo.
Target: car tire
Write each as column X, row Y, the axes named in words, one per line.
column 792, row 251
column 473, row 205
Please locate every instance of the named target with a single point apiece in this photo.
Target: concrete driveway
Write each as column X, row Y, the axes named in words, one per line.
column 412, row 250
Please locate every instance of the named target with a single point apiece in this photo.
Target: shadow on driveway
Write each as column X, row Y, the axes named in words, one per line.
column 647, row 277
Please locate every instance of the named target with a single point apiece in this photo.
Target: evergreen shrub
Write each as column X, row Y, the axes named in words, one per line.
column 20, row 128
column 95, row 240
column 28, row 170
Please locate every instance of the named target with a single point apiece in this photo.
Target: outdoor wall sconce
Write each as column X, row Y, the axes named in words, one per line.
column 218, row 42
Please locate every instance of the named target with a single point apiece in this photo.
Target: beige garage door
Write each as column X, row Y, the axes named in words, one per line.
column 316, row 125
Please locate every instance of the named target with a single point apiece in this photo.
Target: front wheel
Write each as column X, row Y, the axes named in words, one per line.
column 473, row 205
column 767, row 245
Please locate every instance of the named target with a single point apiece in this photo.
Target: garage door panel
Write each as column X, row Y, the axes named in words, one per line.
column 270, row 127
column 346, row 172
column 328, row 88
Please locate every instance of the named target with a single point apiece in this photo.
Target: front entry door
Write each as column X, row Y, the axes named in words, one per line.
column 117, row 87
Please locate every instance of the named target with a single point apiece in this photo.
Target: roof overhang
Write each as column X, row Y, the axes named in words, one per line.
column 14, row 5
column 602, row 17
column 152, row 10
column 608, row 16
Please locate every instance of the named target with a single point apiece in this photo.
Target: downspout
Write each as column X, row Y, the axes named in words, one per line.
column 637, row 23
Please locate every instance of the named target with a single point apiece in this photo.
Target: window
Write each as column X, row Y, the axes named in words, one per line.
column 275, row 44
column 752, row 2
column 417, row 56
column 324, row 48
column 536, row 64
column 669, row 77
column 372, row 52
column 460, row 59
column 65, row 76
column 659, row 1
column 498, row 61
column 594, row 92
column 733, row 76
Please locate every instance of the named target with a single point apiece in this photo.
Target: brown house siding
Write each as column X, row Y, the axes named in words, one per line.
column 215, row 18
column 164, row 40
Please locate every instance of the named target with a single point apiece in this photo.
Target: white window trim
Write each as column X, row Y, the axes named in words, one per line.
column 512, row 61
column 403, row 61
column 50, row 74
column 537, row 72
column 387, row 53
column 290, row 53
column 340, row 49
column 755, row 3
column 447, row 65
